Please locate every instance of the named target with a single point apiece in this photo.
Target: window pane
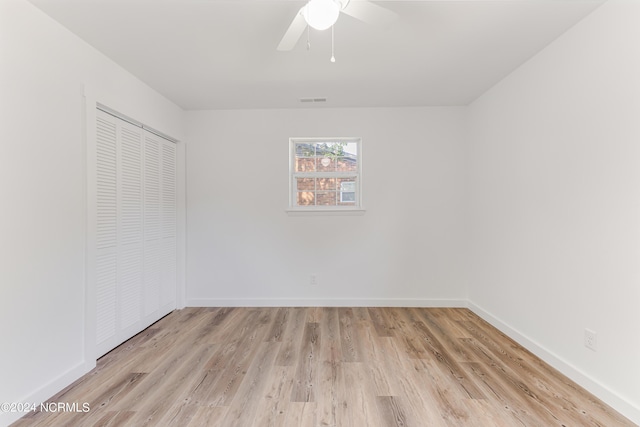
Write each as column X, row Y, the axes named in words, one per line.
column 326, row 198
column 346, row 184
column 305, row 184
column 305, row 149
column 330, row 149
column 347, row 198
column 326, row 184
column 306, row 198
column 331, row 154
column 305, row 157
column 305, row 164
column 350, row 149
column 347, row 164
column 347, row 191
column 326, row 164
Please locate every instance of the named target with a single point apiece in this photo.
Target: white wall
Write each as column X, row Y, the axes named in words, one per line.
column 555, row 184
column 553, row 173
column 406, row 249
column 43, row 72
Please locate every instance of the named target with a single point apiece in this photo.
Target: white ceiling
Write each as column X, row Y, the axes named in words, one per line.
column 219, row 54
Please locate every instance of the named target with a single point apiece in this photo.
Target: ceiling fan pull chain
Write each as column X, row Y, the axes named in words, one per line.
column 333, row 58
column 308, row 42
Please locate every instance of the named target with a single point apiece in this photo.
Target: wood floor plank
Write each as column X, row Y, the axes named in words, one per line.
column 451, row 404
column 279, row 324
column 419, row 385
column 179, row 414
column 412, row 344
column 329, row 391
column 172, row 403
column 227, row 330
column 176, row 382
column 358, row 405
column 349, row 337
column 306, row 378
column 280, row 383
column 119, row 390
column 485, row 413
column 300, row 414
column 318, row 367
column 291, row 341
column 446, row 328
column 116, row 419
column 233, row 370
column 442, row 353
column 271, row 412
column 383, row 367
column 381, row 322
column 211, row 323
column 331, row 348
column 515, row 408
column 243, row 407
column 329, row 369
column 391, row 412
column 208, row 416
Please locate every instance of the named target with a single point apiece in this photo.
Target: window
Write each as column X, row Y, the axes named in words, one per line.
column 325, row 174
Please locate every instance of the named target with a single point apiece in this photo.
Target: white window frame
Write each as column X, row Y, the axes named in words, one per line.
column 294, row 208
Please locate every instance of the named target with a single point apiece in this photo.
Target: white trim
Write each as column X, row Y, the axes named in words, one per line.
column 328, row 174
column 134, row 122
column 601, row 391
column 325, row 302
column 90, row 348
column 318, row 211
column 49, row 389
column 181, row 224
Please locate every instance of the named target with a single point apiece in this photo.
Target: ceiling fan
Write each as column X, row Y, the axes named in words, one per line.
column 322, row 14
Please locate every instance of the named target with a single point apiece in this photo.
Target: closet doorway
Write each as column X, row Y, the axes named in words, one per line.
column 131, row 265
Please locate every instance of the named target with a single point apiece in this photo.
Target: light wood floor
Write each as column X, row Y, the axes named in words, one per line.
column 298, row 367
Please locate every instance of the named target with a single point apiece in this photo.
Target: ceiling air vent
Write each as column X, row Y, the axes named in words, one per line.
column 313, row 100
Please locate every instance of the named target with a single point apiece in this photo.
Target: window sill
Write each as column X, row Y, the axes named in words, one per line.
column 328, row 212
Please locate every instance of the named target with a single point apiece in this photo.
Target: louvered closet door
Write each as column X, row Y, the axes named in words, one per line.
column 106, row 230
column 168, row 253
column 130, row 243
column 160, row 225
column 135, row 223
column 152, row 221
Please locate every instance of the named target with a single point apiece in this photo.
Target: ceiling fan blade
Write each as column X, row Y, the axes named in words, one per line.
column 370, row 13
column 294, row 32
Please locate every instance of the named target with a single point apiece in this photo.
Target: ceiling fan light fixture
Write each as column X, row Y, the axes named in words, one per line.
column 321, row 14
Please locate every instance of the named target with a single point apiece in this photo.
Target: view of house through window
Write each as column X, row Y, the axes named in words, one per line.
column 325, row 173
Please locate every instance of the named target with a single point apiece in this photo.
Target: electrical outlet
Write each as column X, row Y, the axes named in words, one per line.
column 313, row 279
column 590, row 339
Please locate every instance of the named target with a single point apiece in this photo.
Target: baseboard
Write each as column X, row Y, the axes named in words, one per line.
column 48, row 390
column 605, row 394
column 324, row 302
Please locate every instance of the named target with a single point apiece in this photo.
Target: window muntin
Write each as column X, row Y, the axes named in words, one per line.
column 325, row 173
